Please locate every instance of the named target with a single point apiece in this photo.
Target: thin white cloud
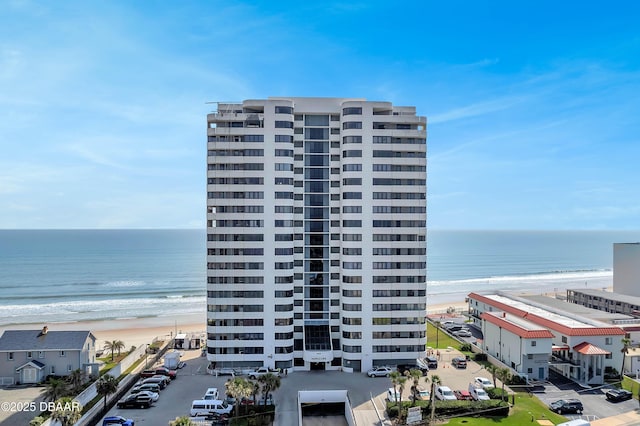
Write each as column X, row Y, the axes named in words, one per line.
column 476, row 109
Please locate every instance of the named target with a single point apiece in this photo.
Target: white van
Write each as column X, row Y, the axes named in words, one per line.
column 201, row 407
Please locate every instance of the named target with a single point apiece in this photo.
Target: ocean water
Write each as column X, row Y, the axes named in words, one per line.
column 49, row 276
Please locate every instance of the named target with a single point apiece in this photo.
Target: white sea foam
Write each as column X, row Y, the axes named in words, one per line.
column 121, row 284
column 86, row 310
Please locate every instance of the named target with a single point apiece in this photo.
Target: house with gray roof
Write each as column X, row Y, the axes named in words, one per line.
column 29, row 356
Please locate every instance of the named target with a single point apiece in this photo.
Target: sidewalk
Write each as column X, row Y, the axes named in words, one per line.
column 625, row 419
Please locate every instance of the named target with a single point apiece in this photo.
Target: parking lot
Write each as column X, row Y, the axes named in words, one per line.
column 193, row 381
column 594, row 401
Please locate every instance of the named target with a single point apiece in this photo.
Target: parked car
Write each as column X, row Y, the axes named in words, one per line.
column 431, row 361
column 477, row 393
column 393, row 395
column 422, row 394
column 135, row 401
column 379, row 372
column 484, row 383
column 463, row 395
column 456, row 327
column 159, row 380
column 117, row 421
column 226, row 372
column 463, row 333
column 444, row 393
column 211, row 393
column 164, row 371
column 153, row 395
column 149, row 387
column 408, row 367
column 615, row 395
column 566, row 406
column 459, row 362
column 263, row 371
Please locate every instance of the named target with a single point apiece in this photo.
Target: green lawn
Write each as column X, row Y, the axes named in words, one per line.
column 526, row 408
column 438, row 339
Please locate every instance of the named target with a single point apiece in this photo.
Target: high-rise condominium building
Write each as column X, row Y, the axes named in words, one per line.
column 316, row 228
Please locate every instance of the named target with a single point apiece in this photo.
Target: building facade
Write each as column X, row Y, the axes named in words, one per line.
column 626, row 268
column 522, row 345
column 30, row 356
column 582, row 349
column 316, row 229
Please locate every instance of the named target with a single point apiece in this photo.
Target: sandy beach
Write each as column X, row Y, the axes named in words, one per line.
column 133, row 331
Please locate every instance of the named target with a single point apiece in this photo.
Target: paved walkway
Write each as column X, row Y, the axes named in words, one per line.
column 625, row 419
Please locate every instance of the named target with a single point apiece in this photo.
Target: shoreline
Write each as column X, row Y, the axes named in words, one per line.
column 137, row 331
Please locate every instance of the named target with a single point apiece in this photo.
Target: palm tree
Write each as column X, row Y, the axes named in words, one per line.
column 255, row 390
column 76, row 379
column 270, row 382
column 67, row 411
column 56, row 389
column 415, row 375
column 114, row 345
column 181, row 421
column 493, row 370
column 503, row 374
column 435, row 381
column 105, row 386
column 395, row 380
column 626, row 344
column 401, row 383
column 238, row 388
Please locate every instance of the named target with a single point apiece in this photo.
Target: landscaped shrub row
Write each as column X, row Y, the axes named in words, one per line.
column 455, row 408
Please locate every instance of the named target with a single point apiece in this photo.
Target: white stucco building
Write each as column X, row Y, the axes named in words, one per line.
column 518, row 343
column 581, row 348
column 316, row 227
column 626, row 269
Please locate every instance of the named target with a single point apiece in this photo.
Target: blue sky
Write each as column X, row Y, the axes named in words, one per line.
column 532, row 106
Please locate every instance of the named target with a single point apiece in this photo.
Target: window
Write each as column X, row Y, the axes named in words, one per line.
column 352, row 195
column 352, row 111
column 316, row 120
column 284, row 110
column 533, row 343
column 284, row 138
column 63, row 354
column 29, row 355
column 9, row 356
column 283, row 167
column 564, row 339
column 284, row 124
column 529, row 356
column 608, row 341
column 351, row 181
column 352, row 125
column 350, row 153
column 41, row 354
column 352, row 167
column 352, row 139
column 69, row 367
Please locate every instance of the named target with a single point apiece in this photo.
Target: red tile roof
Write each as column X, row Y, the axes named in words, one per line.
column 547, row 323
column 504, row 323
column 587, row 348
